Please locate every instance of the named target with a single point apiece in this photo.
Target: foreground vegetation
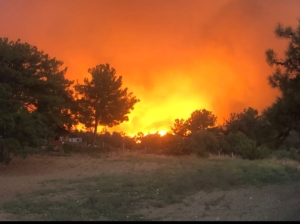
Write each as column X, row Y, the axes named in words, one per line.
column 119, row 197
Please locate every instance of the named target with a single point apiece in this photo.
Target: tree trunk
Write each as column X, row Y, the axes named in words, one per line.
column 95, row 133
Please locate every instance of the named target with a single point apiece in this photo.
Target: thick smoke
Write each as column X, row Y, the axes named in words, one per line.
column 176, row 56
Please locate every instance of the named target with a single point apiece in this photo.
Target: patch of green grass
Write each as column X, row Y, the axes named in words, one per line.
column 119, row 197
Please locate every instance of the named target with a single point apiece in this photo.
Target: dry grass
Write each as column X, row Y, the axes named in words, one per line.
column 286, row 162
column 223, row 156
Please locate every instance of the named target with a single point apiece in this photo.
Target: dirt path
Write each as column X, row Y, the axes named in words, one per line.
column 22, row 176
column 274, row 202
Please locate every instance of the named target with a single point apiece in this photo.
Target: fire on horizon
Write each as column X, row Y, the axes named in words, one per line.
column 176, row 56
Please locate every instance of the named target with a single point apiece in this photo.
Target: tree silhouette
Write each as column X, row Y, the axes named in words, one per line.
column 103, row 101
column 180, row 128
column 251, row 124
column 201, row 120
column 244, row 122
column 284, row 113
column 34, row 95
column 198, row 121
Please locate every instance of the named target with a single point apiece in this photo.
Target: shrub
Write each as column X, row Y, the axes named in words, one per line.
column 205, row 142
column 281, row 154
column 284, row 154
column 241, row 145
column 293, row 154
column 152, row 142
column 178, row 146
column 50, row 148
column 244, row 146
column 69, row 147
column 228, row 143
column 263, row 152
column 129, row 143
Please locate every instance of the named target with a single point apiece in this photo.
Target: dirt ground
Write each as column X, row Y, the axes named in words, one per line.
column 273, row 202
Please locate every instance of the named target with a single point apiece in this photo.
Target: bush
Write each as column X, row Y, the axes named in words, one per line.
column 244, row 146
column 263, row 152
column 284, row 154
column 241, row 145
column 51, row 148
column 228, row 143
column 129, row 143
column 205, row 142
column 69, row 147
column 178, row 146
column 281, row 154
column 292, row 140
column 293, row 153
column 152, row 143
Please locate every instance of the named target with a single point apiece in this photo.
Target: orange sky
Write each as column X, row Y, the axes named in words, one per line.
column 176, row 56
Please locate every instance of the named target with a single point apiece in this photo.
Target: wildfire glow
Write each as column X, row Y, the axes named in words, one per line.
column 200, row 54
column 162, row 133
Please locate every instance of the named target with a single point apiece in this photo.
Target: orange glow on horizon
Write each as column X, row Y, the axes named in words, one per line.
column 195, row 55
column 162, row 133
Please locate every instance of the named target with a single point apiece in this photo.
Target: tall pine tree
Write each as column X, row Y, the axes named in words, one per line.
column 103, row 101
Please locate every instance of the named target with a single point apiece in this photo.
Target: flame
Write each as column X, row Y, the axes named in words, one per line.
column 162, row 132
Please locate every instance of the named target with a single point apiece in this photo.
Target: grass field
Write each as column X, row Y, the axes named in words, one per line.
column 127, row 194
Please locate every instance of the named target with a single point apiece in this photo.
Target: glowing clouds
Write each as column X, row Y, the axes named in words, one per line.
column 175, row 56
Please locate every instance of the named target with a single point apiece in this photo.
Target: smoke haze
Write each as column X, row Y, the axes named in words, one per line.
column 176, row 56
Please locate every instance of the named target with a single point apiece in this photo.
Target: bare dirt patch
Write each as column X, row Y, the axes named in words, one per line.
column 272, row 203
column 24, row 175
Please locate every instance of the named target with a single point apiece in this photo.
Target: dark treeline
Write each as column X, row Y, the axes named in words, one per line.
column 37, row 101
column 246, row 134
